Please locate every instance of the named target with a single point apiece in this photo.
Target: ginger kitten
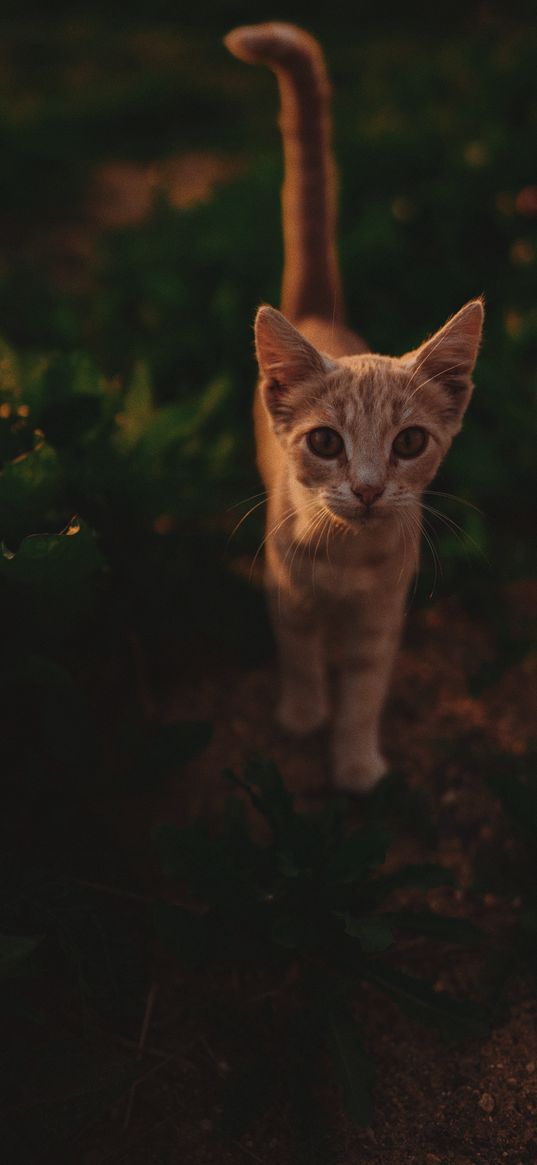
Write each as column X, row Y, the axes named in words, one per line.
column 347, row 441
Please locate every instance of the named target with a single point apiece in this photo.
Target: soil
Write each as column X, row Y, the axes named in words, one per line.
column 436, row 1103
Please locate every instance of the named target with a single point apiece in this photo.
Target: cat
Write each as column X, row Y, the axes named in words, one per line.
column 347, row 440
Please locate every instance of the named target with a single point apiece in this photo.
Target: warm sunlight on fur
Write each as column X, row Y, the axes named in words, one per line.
column 347, row 441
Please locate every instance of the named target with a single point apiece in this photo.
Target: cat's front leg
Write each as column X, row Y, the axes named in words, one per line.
column 366, row 666
column 303, row 705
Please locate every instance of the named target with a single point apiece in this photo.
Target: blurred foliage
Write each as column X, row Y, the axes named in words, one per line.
column 86, row 594
column 435, row 136
column 58, row 1075
column 73, row 953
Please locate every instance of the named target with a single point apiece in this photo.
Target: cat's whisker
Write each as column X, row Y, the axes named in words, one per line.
column 452, row 498
column 290, row 514
column 312, row 528
column 448, row 521
column 437, row 376
column 434, row 555
column 269, row 534
column 458, row 531
column 292, row 550
column 403, row 532
column 244, row 517
column 318, row 527
column 444, row 518
column 331, row 530
column 262, row 494
column 414, row 532
column 421, row 526
column 403, row 516
column 295, row 546
column 324, row 524
column 430, row 349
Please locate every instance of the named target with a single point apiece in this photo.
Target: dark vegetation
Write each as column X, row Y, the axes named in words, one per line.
column 126, row 372
column 313, row 903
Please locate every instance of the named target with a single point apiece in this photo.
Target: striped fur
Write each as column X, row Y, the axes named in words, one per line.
column 343, row 534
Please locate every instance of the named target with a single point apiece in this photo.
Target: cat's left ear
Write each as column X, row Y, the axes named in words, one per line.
column 448, row 358
column 286, row 361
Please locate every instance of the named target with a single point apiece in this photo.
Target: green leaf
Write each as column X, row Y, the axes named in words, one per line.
column 454, row 1017
column 351, row 1062
column 296, row 930
column 374, row 934
column 64, row 732
column 138, row 407
column 247, row 1094
column 267, row 792
column 409, row 809
column 66, row 422
column 164, row 749
column 29, row 491
column 359, row 852
column 186, row 933
column 53, row 575
column 69, row 1086
column 14, row 950
column 35, row 670
column 235, row 823
column 10, row 377
column 438, row 927
column 519, row 798
column 423, row 876
column 221, row 872
column 508, row 655
column 295, row 835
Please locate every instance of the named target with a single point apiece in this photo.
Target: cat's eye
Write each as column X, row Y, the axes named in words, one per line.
column 410, row 442
column 325, row 442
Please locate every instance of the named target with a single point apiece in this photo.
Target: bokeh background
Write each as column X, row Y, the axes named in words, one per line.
column 139, row 229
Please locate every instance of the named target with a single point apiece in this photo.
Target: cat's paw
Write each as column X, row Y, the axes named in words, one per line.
column 300, row 716
column 356, row 775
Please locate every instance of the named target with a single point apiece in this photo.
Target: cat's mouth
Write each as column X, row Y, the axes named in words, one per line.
column 366, row 516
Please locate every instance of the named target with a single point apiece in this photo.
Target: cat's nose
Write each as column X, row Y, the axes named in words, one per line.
column 368, row 493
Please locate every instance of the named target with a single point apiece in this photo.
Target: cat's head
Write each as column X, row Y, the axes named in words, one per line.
column 366, row 433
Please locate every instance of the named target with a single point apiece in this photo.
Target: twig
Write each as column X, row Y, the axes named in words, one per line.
column 143, row 899
column 249, row 1152
column 149, row 1006
column 143, row 691
column 155, row 1053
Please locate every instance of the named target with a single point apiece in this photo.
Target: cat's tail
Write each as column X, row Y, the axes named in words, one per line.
column 311, row 283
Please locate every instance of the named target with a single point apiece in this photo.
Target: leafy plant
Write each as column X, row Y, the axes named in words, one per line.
column 15, row 950
column 77, row 969
column 314, row 899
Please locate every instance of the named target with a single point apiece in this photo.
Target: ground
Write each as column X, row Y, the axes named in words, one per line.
column 473, row 1103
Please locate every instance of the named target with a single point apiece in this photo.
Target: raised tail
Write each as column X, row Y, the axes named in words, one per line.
column 311, row 284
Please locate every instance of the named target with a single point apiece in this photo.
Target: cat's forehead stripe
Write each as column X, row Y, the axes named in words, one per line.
column 373, row 391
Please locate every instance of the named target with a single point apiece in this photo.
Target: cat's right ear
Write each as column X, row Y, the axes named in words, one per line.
column 286, row 360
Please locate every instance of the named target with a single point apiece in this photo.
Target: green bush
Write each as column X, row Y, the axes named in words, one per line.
column 313, row 899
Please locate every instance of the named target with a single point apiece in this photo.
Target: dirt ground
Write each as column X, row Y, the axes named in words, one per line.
column 437, row 1103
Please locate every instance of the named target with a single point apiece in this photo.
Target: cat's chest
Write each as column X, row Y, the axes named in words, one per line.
column 339, row 570
column 322, row 577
